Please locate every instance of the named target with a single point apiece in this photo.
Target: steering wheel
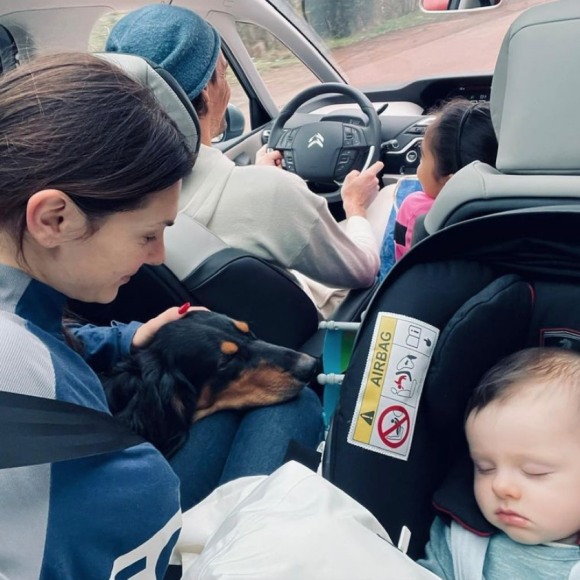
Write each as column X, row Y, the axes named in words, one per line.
column 326, row 151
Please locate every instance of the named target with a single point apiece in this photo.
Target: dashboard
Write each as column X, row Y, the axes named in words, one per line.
column 474, row 94
column 404, row 113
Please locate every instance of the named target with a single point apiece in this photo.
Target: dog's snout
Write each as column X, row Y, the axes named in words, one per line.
column 308, row 368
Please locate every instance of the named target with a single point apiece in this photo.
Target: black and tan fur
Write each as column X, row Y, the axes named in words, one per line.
column 196, row 366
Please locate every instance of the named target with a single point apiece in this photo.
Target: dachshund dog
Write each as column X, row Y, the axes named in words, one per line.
column 198, row 365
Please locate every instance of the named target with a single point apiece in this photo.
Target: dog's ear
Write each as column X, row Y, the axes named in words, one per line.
column 153, row 401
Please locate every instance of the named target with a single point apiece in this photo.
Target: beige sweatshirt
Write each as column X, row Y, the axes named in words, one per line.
column 271, row 213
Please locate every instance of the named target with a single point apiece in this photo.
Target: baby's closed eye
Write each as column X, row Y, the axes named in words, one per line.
column 484, row 468
column 537, row 470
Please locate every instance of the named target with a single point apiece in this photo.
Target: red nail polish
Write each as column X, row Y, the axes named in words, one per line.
column 183, row 309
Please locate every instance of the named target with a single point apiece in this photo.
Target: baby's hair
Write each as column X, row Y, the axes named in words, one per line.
column 461, row 133
column 538, row 364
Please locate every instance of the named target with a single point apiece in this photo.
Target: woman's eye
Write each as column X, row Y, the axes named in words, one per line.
column 149, row 239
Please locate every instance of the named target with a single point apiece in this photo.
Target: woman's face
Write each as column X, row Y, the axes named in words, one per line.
column 93, row 268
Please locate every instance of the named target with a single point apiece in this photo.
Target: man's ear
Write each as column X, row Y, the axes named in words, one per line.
column 205, row 95
column 52, row 218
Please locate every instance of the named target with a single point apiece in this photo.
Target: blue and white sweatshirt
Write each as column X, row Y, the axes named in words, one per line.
column 113, row 516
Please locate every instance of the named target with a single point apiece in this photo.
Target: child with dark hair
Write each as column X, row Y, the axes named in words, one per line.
column 461, row 133
column 524, row 439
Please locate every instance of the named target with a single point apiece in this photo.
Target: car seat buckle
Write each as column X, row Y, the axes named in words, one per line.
column 404, row 539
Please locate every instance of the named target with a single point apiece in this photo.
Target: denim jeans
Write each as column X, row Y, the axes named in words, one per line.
column 232, row 444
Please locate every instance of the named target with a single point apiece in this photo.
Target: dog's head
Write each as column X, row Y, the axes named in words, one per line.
column 203, row 363
column 228, row 365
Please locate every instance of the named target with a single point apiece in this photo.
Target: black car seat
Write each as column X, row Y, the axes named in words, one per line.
column 199, row 267
column 473, row 292
column 490, row 287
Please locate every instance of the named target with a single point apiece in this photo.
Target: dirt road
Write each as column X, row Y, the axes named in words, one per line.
column 461, row 44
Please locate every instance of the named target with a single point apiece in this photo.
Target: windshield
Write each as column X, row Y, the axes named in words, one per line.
column 378, row 42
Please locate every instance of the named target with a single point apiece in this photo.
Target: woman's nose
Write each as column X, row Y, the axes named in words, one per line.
column 505, row 487
column 156, row 255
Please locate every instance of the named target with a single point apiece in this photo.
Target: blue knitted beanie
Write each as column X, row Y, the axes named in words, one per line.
column 178, row 40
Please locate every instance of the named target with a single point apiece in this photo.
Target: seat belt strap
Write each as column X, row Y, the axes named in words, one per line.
column 35, row 430
column 468, row 553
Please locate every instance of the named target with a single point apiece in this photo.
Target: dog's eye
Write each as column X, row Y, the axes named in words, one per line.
column 224, row 361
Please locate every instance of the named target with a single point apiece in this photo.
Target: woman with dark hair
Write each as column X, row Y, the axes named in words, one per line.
column 90, row 173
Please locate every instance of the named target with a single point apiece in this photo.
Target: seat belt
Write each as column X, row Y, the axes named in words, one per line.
column 468, row 553
column 35, row 430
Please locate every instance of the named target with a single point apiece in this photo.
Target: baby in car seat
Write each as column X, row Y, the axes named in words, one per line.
column 524, row 440
column 461, row 133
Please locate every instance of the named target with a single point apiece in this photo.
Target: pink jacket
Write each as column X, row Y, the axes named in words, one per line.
column 414, row 205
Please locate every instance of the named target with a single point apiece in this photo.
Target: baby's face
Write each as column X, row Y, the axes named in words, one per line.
column 526, row 452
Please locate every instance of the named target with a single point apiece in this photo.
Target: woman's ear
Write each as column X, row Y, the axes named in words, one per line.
column 53, row 219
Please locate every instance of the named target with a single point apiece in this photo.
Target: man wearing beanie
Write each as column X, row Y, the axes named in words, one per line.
column 260, row 208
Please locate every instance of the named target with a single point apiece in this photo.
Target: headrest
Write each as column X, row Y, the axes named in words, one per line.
column 534, row 97
column 187, row 233
column 165, row 88
column 477, row 188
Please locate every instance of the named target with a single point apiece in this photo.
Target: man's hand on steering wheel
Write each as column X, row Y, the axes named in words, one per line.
column 268, row 158
column 324, row 152
column 359, row 190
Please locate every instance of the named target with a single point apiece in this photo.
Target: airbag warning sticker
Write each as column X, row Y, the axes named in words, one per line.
column 388, row 400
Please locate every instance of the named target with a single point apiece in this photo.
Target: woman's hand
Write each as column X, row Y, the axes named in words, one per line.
column 147, row 331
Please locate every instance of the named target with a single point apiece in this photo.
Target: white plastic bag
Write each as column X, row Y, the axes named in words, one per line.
column 292, row 525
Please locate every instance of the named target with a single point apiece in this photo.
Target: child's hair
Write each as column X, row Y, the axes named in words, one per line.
column 76, row 123
column 538, row 364
column 461, row 133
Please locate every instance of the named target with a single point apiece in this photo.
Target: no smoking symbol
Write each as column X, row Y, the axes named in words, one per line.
column 394, row 426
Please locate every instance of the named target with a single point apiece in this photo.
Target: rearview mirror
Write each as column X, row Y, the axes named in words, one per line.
column 455, row 5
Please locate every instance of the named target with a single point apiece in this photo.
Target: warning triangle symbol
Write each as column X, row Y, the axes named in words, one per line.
column 368, row 417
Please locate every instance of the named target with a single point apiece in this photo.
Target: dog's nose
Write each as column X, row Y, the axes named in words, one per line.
column 308, row 368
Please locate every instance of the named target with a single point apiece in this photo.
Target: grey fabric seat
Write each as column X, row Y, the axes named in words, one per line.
column 534, row 104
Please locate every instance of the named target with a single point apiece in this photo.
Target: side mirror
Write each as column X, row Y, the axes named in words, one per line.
column 235, row 125
column 455, row 5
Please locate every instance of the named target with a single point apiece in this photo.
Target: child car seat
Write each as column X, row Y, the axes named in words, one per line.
column 488, row 288
column 498, row 274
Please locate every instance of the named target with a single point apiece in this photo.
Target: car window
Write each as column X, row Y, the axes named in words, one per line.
column 282, row 72
column 239, row 98
column 377, row 42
